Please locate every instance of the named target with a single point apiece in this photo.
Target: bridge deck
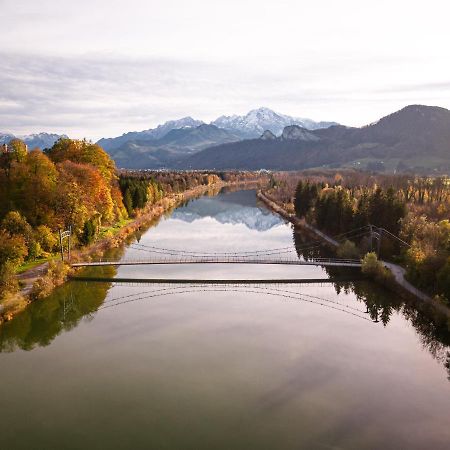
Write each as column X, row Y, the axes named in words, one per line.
column 291, row 262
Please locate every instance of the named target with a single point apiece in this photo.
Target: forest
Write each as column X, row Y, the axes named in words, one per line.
column 415, row 209
column 73, row 184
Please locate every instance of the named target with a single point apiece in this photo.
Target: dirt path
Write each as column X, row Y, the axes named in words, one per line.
column 28, row 277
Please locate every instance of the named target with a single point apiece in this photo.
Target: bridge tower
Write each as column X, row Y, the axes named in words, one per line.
column 63, row 236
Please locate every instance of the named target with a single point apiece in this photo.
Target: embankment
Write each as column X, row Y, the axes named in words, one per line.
column 399, row 283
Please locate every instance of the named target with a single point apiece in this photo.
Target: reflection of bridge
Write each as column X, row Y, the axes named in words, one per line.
column 336, row 262
column 274, row 290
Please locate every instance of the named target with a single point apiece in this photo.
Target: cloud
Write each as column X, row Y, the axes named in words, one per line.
column 102, row 95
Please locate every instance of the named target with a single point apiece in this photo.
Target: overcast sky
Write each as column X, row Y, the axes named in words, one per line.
column 93, row 68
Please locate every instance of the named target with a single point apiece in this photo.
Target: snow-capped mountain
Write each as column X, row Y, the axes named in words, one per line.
column 149, row 135
column 39, row 140
column 255, row 122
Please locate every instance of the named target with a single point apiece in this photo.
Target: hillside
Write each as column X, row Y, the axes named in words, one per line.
column 167, row 144
column 170, row 149
column 416, row 138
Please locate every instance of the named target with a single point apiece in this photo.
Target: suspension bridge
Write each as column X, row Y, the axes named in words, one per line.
column 276, row 256
column 337, row 262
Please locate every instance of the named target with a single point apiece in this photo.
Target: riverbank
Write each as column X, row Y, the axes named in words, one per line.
column 38, row 282
column 399, row 283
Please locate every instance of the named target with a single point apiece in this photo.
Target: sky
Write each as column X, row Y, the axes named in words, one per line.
column 99, row 68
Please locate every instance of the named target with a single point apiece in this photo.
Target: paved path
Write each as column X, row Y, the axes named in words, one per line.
column 399, row 275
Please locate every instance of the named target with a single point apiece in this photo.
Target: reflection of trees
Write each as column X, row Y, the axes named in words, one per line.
column 432, row 327
column 43, row 320
column 447, row 364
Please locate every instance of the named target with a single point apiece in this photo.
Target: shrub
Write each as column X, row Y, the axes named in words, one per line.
column 46, row 238
column 12, row 248
column 347, row 249
column 15, row 223
column 8, row 280
column 56, row 275
column 88, row 232
column 375, row 269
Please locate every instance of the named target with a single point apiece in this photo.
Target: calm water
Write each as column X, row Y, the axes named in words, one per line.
column 122, row 366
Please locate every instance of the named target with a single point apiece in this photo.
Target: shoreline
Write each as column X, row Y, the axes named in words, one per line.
column 143, row 219
column 399, row 285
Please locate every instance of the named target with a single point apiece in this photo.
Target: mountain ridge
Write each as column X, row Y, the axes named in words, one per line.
column 417, row 137
column 40, row 140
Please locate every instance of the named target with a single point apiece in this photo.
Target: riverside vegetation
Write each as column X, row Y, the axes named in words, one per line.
column 75, row 183
column 416, row 209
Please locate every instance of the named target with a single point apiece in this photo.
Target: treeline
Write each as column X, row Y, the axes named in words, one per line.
column 426, row 195
column 138, row 192
column 179, row 181
column 400, row 208
column 338, row 210
column 172, row 182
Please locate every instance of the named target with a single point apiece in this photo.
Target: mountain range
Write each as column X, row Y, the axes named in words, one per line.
column 416, row 138
column 39, row 140
column 168, row 145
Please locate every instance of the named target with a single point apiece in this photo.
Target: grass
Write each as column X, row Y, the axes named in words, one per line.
column 113, row 228
column 31, row 264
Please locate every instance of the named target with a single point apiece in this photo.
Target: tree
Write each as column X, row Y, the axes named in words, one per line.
column 84, row 152
column 88, row 232
column 12, row 248
column 17, row 150
column 15, row 224
column 46, row 238
column 443, row 279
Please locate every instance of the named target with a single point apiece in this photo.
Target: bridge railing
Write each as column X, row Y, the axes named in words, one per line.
column 224, row 260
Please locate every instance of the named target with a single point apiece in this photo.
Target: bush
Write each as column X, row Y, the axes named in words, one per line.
column 375, row 269
column 12, row 248
column 34, row 251
column 8, row 280
column 89, row 230
column 12, row 303
column 46, row 238
column 56, row 275
column 443, row 279
column 347, row 249
column 15, row 223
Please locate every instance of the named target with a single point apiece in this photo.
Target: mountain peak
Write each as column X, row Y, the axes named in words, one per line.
column 256, row 121
column 268, row 135
column 295, row 132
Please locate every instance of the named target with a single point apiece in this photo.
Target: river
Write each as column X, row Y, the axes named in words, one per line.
column 343, row 365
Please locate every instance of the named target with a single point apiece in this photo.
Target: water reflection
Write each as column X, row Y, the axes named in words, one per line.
column 77, row 301
column 62, row 311
column 433, row 328
column 312, row 365
column 233, row 208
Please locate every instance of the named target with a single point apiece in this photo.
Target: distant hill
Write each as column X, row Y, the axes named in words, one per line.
column 40, row 140
column 171, row 149
column 415, row 138
column 148, row 135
